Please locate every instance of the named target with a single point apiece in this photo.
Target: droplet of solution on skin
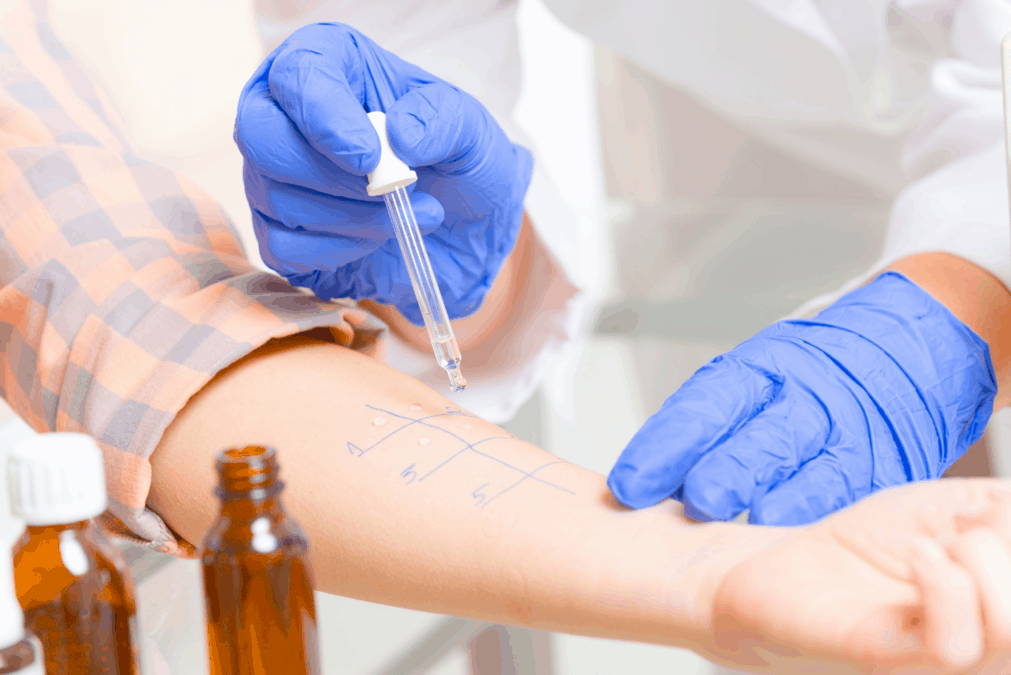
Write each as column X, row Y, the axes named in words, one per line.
column 415, row 407
column 379, row 421
column 424, row 440
column 466, row 426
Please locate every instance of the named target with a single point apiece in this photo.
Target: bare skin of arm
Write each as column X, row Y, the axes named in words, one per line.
column 450, row 514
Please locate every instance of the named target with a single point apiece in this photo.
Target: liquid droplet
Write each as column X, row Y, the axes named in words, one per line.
column 466, row 426
column 379, row 421
column 424, row 440
column 415, row 407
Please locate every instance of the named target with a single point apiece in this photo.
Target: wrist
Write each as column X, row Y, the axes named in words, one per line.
column 726, row 545
column 665, row 591
column 975, row 297
column 928, row 373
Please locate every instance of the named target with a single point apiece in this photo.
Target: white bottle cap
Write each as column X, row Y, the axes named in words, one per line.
column 56, row 479
column 391, row 173
column 13, row 430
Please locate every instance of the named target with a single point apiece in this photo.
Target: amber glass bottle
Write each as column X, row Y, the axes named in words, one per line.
column 20, row 653
column 258, row 584
column 72, row 583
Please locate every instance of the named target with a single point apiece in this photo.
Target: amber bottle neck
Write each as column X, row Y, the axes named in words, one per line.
column 248, row 483
column 251, row 509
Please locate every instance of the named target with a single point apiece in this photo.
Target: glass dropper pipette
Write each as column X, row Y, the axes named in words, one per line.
column 389, row 180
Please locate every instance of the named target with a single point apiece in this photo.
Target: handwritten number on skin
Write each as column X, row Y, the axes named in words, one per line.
column 410, row 474
column 478, row 495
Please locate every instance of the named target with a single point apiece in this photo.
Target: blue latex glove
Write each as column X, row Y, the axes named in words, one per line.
column 884, row 387
column 308, row 145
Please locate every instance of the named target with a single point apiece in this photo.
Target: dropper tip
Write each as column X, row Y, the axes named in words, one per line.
column 456, row 380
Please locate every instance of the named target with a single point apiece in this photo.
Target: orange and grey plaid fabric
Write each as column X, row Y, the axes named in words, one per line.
column 123, row 288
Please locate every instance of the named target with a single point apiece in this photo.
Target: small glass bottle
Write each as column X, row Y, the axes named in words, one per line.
column 20, row 653
column 72, row 583
column 258, row 583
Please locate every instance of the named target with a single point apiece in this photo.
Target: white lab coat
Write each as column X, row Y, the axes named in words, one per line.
column 839, row 83
column 902, row 95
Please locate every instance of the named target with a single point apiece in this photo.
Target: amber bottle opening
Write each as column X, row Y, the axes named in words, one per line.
column 248, row 473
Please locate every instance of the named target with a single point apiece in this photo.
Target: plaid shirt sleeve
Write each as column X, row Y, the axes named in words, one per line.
column 123, row 288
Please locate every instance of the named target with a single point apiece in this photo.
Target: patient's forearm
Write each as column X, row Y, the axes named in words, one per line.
column 412, row 502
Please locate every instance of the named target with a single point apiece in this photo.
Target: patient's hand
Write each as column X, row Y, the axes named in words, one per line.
column 918, row 576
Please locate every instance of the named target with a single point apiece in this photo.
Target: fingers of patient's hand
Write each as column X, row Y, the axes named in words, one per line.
column 952, row 630
column 987, row 557
column 998, row 518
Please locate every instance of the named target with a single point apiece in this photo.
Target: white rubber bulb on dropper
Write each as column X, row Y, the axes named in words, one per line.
column 391, row 173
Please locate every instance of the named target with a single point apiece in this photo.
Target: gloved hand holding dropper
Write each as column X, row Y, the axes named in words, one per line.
column 308, row 146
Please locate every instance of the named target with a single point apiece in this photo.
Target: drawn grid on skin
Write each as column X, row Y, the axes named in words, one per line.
column 411, row 421
column 468, row 446
column 528, row 475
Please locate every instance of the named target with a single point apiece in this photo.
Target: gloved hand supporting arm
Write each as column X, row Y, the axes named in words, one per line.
column 884, row 387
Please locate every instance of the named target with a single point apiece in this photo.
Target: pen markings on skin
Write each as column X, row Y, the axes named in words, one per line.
column 477, row 494
column 468, row 446
column 411, row 473
column 529, row 475
column 411, row 421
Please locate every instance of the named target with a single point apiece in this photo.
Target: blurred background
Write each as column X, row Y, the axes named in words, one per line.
column 730, row 235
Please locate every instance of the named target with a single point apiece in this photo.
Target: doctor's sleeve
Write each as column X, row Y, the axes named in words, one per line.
column 123, row 288
column 957, row 201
